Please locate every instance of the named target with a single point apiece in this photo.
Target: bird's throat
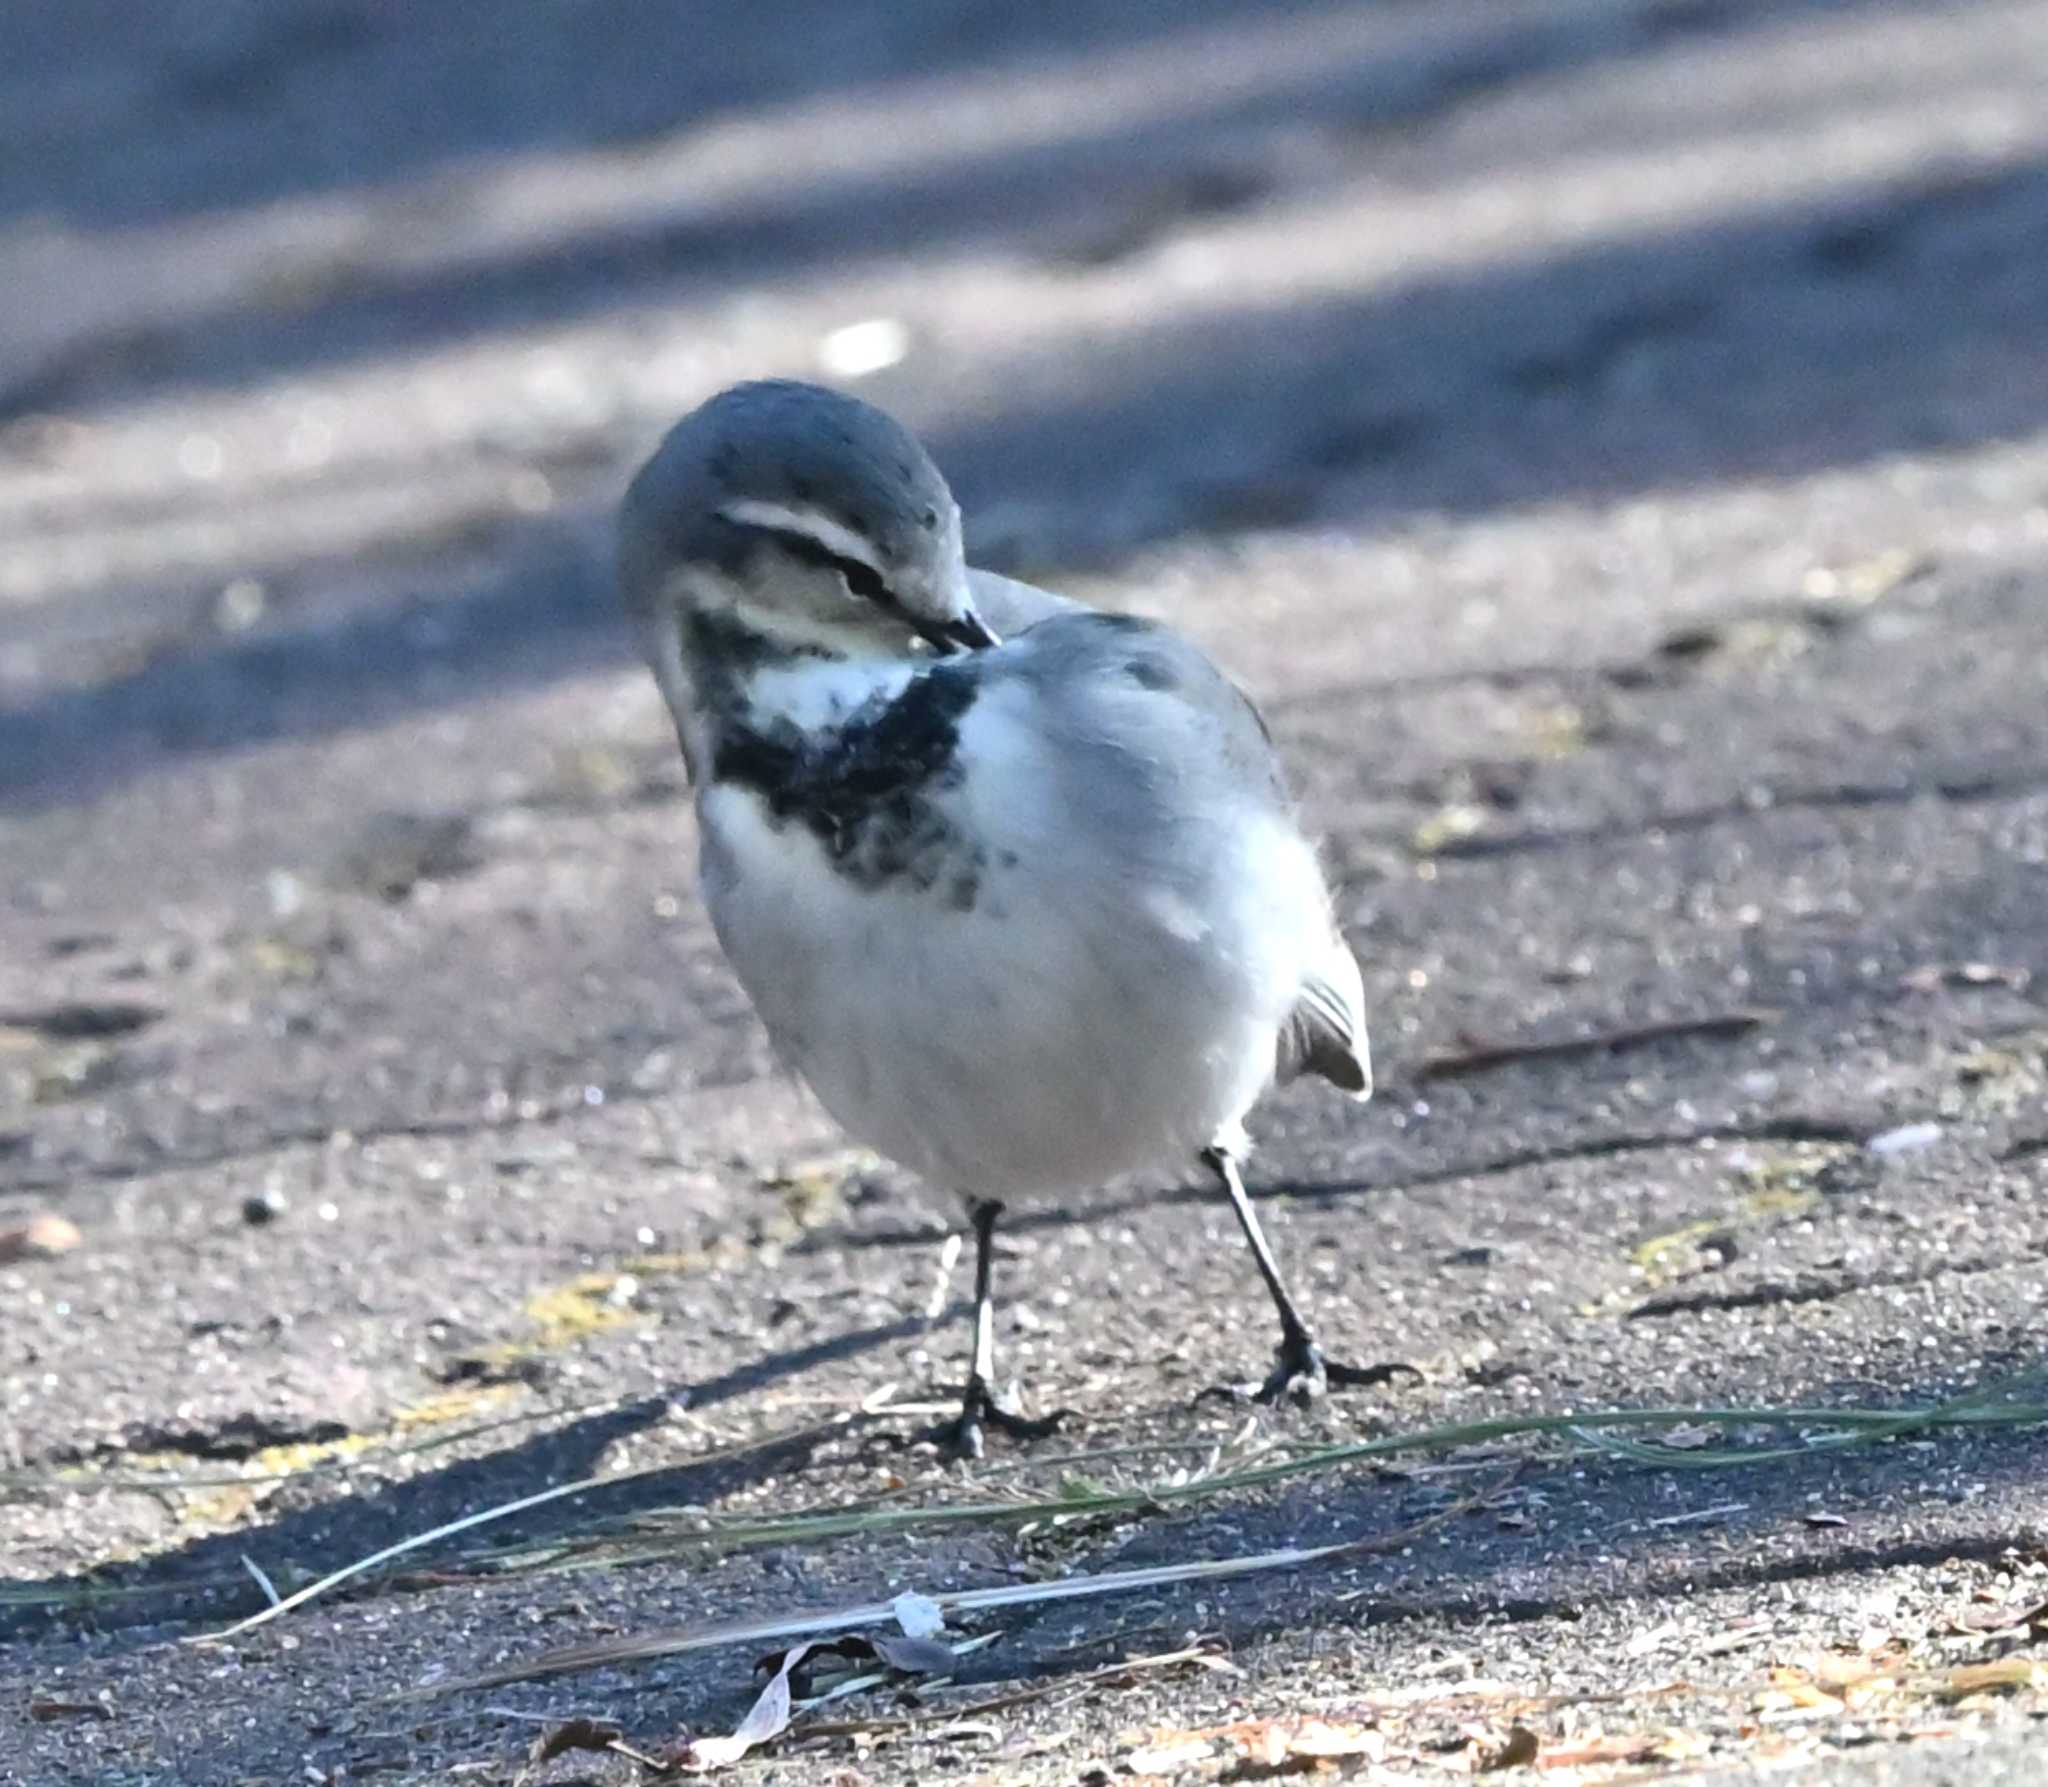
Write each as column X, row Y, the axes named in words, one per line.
column 744, row 677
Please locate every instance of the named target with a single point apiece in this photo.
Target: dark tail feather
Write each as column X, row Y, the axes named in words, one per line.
column 1325, row 1035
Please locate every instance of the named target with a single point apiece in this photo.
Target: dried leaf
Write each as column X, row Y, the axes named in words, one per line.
column 2003, row 1618
column 1795, row 1688
column 910, row 1656
column 1651, row 1638
column 1989, row 1678
column 1322, row 1738
column 767, row 1718
column 913, row 1656
column 1737, row 1635
column 573, row 1734
column 1447, row 825
column 1520, row 1751
column 1679, row 1746
column 46, row 1707
column 1169, row 1756
column 1273, row 1745
column 1835, row 1673
column 1632, row 1746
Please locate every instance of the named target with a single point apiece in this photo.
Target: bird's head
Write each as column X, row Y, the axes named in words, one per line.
column 802, row 519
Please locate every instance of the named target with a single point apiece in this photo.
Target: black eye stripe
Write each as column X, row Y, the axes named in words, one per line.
column 862, row 579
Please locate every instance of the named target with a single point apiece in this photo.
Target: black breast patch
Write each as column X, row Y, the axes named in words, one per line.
column 865, row 788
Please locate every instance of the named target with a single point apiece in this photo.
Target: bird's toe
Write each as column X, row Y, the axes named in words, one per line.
column 1360, row 1377
column 1020, row 1426
column 965, row 1436
column 1302, row 1376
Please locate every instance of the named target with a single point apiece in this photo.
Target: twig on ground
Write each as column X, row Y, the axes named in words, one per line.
column 1483, row 1057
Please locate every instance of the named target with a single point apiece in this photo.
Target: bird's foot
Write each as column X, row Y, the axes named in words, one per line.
column 1302, row 1375
column 963, row 1437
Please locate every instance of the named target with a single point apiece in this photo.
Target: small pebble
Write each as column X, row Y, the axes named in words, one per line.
column 263, row 1207
column 43, row 1237
column 862, row 348
column 1908, row 1138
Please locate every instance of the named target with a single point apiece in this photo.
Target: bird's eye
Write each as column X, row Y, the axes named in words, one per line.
column 862, row 580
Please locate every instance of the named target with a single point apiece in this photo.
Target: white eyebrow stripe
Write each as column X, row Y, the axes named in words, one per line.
column 836, row 538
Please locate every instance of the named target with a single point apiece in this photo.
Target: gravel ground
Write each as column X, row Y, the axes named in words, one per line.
column 1611, row 439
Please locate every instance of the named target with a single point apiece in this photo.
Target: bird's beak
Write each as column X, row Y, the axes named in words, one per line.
column 966, row 631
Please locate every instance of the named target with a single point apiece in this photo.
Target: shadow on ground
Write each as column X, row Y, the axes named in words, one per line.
column 1500, row 1542
column 1198, row 424
column 207, row 1579
column 351, row 97
column 1033, row 200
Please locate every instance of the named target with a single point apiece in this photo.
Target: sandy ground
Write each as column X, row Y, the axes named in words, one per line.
column 1610, row 440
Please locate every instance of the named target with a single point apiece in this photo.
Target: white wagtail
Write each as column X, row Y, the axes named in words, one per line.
column 1014, row 884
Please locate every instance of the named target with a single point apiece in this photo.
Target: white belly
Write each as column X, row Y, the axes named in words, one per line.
column 1048, row 1028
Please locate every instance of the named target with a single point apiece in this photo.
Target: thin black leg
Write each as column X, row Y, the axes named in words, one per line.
column 980, row 1403
column 1302, row 1372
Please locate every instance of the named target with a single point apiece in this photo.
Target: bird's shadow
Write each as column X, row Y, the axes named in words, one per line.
column 208, row 1579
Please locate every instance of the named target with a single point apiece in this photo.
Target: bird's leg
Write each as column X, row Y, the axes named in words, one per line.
column 963, row 1434
column 1302, row 1372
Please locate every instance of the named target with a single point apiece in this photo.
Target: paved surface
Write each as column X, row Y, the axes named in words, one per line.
column 1608, row 437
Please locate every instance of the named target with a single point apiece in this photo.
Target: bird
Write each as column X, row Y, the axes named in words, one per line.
column 1015, row 885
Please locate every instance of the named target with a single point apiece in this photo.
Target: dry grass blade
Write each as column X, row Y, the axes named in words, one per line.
column 503, row 1511
column 573, row 1658
column 1827, row 1429
column 1830, row 1428
column 364, row 1564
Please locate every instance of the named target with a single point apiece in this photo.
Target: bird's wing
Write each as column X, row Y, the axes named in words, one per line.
column 1138, row 689
column 1201, row 729
column 1011, row 607
column 1325, row 1033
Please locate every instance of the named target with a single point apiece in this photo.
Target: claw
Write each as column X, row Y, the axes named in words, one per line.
column 1303, row 1376
column 963, row 1437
